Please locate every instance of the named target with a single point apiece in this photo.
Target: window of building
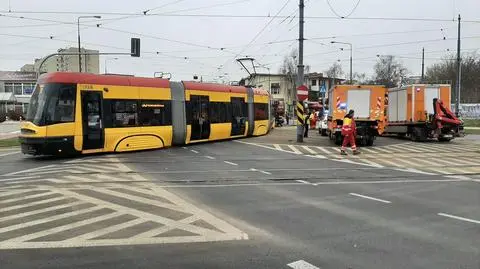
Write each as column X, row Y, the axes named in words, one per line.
column 275, row 88
column 261, row 111
column 8, row 87
column 155, row 113
column 124, row 113
column 28, row 88
column 314, row 82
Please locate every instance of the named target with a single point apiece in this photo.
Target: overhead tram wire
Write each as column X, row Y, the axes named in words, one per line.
column 340, row 16
column 238, row 16
column 258, row 34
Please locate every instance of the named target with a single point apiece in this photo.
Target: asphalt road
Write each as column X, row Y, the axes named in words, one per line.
column 239, row 204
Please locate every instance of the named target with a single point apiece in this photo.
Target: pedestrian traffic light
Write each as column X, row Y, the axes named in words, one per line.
column 135, row 47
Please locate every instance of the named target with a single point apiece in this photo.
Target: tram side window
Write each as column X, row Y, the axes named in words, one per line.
column 155, row 113
column 239, row 108
column 219, row 112
column 261, row 111
column 124, row 113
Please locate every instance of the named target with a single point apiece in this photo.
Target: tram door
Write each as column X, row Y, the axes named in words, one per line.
column 239, row 116
column 199, row 117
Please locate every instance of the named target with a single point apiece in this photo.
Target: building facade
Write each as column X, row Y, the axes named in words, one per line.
column 69, row 63
column 318, row 85
column 16, row 88
column 282, row 86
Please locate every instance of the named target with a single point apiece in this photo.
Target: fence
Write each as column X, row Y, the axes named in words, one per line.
column 468, row 111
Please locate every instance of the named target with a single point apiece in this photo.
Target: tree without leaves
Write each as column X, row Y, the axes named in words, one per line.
column 389, row 72
column 335, row 71
column 289, row 68
column 446, row 72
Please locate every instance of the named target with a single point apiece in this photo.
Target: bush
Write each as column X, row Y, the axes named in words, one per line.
column 14, row 115
column 3, row 116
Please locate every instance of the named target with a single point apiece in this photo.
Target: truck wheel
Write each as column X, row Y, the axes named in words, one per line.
column 444, row 139
column 418, row 135
column 370, row 140
column 338, row 139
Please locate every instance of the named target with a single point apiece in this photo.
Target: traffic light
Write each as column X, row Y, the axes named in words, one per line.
column 135, row 47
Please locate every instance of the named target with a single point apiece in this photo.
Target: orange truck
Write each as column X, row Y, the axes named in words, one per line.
column 421, row 112
column 368, row 101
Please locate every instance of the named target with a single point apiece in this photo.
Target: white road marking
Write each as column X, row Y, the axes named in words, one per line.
column 294, row 149
column 43, row 220
column 314, row 184
column 14, row 132
column 394, row 164
column 324, row 150
column 459, row 218
column 404, row 147
column 352, row 162
column 9, row 153
column 413, row 170
column 194, row 151
column 370, row 198
column 301, row 264
column 369, row 150
column 303, row 181
column 30, row 170
column 210, row 157
column 264, row 172
column 309, row 150
column 374, row 164
column 459, row 177
column 227, row 162
column 277, row 146
column 383, row 150
column 17, row 178
column 463, row 161
column 317, row 156
column 33, row 212
column 184, row 147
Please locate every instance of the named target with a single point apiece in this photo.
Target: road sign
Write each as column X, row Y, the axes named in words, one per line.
column 323, row 88
column 302, row 92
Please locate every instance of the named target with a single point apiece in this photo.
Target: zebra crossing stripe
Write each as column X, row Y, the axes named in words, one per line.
column 294, row 149
column 372, row 163
column 323, row 150
column 368, row 150
column 309, row 150
column 404, row 147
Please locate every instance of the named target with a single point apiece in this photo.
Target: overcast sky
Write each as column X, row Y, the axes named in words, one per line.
column 207, row 46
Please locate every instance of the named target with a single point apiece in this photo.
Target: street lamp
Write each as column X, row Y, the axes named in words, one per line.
column 351, row 58
column 106, row 60
column 79, row 46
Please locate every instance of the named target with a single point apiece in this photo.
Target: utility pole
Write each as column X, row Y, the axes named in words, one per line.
column 423, row 64
column 459, row 67
column 300, row 78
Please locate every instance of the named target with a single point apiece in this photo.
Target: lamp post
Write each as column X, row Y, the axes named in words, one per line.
column 106, row 60
column 79, row 45
column 351, row 58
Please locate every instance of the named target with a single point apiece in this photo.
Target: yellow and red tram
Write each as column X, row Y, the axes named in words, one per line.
column 86, row 113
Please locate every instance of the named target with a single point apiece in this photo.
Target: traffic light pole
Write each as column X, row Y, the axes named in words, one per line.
column 299, row 107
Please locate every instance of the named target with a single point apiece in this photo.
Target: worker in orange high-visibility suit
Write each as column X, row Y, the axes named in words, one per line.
column 349, row 132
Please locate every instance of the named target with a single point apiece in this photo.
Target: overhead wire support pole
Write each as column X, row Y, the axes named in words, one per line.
column 300, row 75
column 423, row 64
column 459, row 72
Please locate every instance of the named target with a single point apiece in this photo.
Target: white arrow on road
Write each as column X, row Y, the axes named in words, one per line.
column 301, row 264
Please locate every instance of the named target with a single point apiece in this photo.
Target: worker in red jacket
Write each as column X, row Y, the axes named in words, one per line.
column 349, row 132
